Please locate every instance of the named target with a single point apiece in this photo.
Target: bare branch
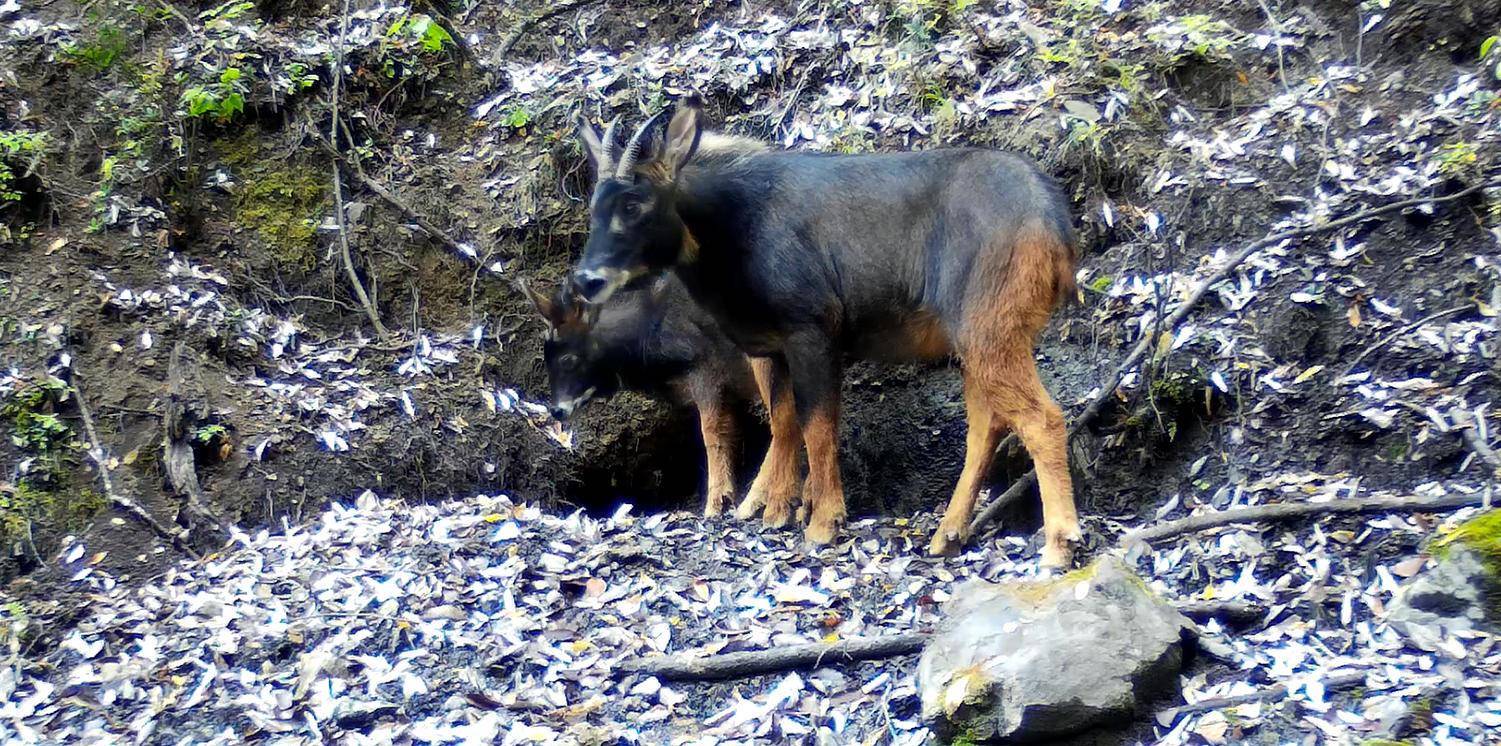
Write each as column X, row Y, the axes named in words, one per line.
column 748, row 663
column 1285, row 511
column 1278, row 691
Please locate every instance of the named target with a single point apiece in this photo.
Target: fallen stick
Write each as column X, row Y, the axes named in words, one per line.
column 756, row 662
column 1284, row 511
column 1235, row 612
column 412, row 215
column 1470, row 431
column 101, row 459
column 748, row 663
column 1334, row 683
column 1384, row 341
column 1096, row 404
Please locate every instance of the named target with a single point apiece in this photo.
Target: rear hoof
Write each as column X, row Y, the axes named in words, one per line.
column 1058, row 549
column 823, row 531
column 944, row 544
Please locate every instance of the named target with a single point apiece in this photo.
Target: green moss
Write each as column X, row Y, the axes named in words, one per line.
column 1481, row 535
column 28, row 505
column 281, row 200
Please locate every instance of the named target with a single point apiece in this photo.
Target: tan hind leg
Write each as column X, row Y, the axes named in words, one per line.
column 1017, row 398
column 1010, row 295
column 717, row 424
column 979, row 453
column 776, row 483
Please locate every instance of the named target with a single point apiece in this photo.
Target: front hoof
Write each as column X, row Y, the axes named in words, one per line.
column 714, row 506
column 749, row 507
column 945, row 544
column 949, row 539
column 778, row 514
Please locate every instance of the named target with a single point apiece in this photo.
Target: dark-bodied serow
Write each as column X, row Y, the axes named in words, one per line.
column 806, row 258
column 658, row 342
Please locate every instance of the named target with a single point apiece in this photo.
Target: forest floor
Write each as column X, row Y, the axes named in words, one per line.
column 166, row 183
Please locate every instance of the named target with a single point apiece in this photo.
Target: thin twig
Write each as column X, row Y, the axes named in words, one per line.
column 1475, row 439
column 1384, row 341
column 1285, row 511
column 354, row 278
column 1092, row 410
column 1278, row 691
column 1277, row 27
column 526, row 25
column 101, row 459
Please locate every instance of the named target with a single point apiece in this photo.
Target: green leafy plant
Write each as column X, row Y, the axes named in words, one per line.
column 219, row 101
column 230, row 11
column 517, row 117
column 100, row 53
column 17, row 147
column 209, row 433
column 34, row 428
column 299, row 78
column 421, row 27
column 1490, row 54
column 924, row 17
column 1196, row 35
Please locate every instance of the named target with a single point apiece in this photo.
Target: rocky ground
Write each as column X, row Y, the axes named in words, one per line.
column 153, row 198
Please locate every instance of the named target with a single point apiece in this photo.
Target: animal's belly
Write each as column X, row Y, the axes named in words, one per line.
column 909, row 338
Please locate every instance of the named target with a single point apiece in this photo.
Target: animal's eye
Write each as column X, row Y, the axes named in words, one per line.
column 631, row 209
column 569, row 361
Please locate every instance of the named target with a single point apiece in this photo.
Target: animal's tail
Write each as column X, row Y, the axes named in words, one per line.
column 1015, row 295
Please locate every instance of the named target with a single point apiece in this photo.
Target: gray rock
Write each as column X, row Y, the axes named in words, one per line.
column 1450, row 594
column 1042, row 659
column 352, row 715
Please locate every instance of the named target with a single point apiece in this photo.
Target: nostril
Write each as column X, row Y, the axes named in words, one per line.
column 589, row 284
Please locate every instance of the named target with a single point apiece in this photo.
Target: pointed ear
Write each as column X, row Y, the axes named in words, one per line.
column 544, row 303
column 683, row 132
column 571, row 309
column 597, row 147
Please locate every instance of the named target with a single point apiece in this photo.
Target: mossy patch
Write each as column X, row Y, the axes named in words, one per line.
column 281, row 200
column 60, row 509
column 44, row 498
column 1481, row 535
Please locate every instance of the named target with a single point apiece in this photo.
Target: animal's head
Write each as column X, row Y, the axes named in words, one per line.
column 574, row 367
column 634, row 227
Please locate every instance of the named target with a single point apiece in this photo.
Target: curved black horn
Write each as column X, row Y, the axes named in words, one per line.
column 633, row 148
column 607, row 146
